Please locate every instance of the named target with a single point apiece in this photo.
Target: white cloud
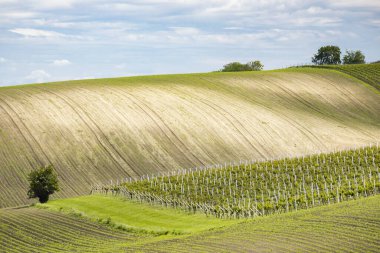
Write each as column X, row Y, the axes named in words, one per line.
column 233, row 28
column 186, row 31
column 38, row 76
column 355, row 3
column 84, row 25
column 49, row 4
column 27, row 32
column 316, row 21
column 2, row 60
column 62, row 62
column 375, row 22
column 18, row 14
column 41, row 4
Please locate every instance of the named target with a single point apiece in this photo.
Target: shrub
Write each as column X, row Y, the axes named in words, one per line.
column 237, row 66
column 234, row 67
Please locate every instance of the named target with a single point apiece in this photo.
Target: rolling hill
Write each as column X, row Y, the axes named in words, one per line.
column 96, row 130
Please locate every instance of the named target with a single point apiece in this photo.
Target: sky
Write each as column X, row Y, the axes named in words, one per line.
column 51, row 40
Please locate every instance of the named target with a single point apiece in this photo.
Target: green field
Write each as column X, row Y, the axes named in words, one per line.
column 93, row 131
column 135, row 216
column 353, row 226
column 37, row 230
column 368, row 73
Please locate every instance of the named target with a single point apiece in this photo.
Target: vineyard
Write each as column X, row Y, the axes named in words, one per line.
column 250, row 189
column 368, row 73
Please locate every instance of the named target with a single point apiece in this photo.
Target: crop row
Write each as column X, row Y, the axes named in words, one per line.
column 255, row 189
column 346, row 227
column 369, row 73
column 38, row 230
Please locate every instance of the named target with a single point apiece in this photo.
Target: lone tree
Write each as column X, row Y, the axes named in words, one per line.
column 237, row 66
column 43, row 182
column 353, row 57
column 327, row 55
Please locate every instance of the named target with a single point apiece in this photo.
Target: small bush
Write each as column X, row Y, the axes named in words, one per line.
column 237, row 66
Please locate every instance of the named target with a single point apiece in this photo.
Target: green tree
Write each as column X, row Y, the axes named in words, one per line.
column 353, row 57
column 255, row 65
column 43, row 182
column 234, row 66
column 327, row 55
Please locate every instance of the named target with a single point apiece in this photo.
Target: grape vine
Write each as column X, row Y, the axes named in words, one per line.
column 260, row 188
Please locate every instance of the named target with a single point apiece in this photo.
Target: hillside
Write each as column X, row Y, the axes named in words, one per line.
column 350, row 226
column 96, row 130
column 368, row 73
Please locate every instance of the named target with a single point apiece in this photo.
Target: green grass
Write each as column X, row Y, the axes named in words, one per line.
column 135, row 216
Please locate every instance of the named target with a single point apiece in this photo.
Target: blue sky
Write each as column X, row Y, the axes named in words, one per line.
column 49, row 40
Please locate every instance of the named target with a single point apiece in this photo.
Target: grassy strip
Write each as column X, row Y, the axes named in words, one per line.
column 135, row 217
